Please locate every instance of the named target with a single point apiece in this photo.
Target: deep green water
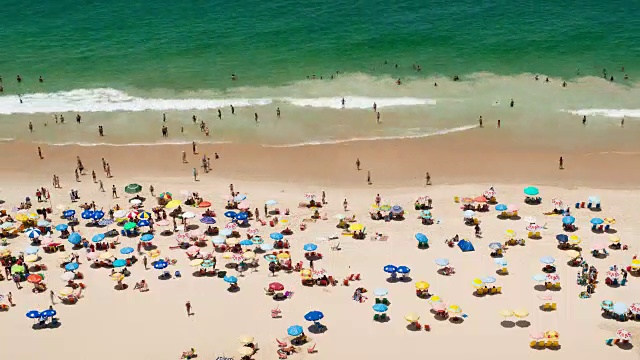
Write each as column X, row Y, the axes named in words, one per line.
column 197, row 44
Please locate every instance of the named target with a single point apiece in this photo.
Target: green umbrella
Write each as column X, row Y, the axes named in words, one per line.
column 133, row 188
column 130, row 225
column 531, row 191
column 17, row 269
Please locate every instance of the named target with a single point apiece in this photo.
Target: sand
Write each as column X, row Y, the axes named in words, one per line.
column 126, row 324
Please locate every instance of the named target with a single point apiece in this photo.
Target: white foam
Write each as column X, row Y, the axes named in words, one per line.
column 71, row 143
column 399, row 137
column 109, row 100
column 614, row 113
column 357, row 102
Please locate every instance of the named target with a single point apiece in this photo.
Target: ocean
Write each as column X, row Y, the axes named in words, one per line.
column 120, row 63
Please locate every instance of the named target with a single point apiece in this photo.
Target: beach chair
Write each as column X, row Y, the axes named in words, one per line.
column 555, row 344
column 456, row 199
column 553, row 306
column 493, row 291
column 549, row 344
column 504, row 271
column 312, row 349
column 589, row 206
column 499, row 290
column 533, row 344
column 530, row 234
column 383, row 317
column 548, row 285
column 607, row 227
column 556, row 286
column 386, row 302
column 376, row 317
column 357, row 277
column 577, row 205
column 546, row 307
column 582, row 204
column 282, row 355
column 281, row 344
column 541, row 343
column 537, row 234
column 598, row 206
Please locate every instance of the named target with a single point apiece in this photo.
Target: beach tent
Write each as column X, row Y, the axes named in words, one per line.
column 465, row 245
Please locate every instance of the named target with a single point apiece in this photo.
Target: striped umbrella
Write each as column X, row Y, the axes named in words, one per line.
column 554, row 278
column 489, row 193
column 534, row 227
column 32, row 233
column 166, row 196
column 623, row 334
column 309, row 196
column 231, row 226
column 144, row 215
column 557, row 203
column 635, row 308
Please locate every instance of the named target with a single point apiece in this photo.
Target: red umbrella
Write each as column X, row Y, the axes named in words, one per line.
column 480, row 199
column 204, row 204
column 34, row 278
column 276, row 286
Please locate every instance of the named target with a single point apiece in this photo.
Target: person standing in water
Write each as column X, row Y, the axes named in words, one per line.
column 427, row 178
column 480, row 121
column 375, row 107
column 343, row 103
column 622, row 122
column 233, row 110
column 358, row 164
column 219, row 114
column 278, row 113
column 193, row 146
column 378, row 117
column 584, row 120
column 30, row 127
column 255, row 115
column 78, row 118
column 40, row 153
column 561, row 163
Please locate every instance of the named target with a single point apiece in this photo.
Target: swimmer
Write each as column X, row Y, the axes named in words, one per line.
column 622, row 122
column 398, row 82
column 546, row 80
column 78, row 118
column 537, row 78
column 41, row 79
column 61, row 119
column 564, row 84
column 626, row 77
column 343, row 102
column 511, row 103
column 30, row 127
column 1, row 89
column 375, row 106
column 435, row 84
column 234, row 77
column 164, row 117
column 20, row 98
column 194, row 119
column 19, row 78
column 480, row 121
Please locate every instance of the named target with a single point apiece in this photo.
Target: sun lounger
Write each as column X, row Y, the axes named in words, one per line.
column 386, row 301
column 499, row 290
column 554, row 306
column 312, row 349
column 541, row 343
column 376, row 317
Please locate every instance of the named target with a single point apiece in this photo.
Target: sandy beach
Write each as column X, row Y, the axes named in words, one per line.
column 131, row 322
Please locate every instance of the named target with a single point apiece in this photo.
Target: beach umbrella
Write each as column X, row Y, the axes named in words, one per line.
column 540, row 277
column 31, row 250
column 118, row 214
column 594, row 199
column 568, row 220
column 126, row 250
column 635, row 263
column 454, row 309
column 506, row 313
column 598, row 246
column 635, row 308
column 512, row 208
column 67, row 276
column 501, row 262
column 97, row 215
column 495, row 246
column 557, row 203
column 623, row 334
column 596, row 221
column 173, row 204
column 562, row 238
column 477, row 283
column 469, row 214
column 403, row 270
column 521, row 313
column 442, row 262
column 105, row 255
column 510, row 233
column 133, row 188
column 295, row 330
column 422, row 238
column 71, row 266
column 142, row 223
column 310, row 247
column 204, row 204
column 154, row 253
column 31, row 258
column 554, row 278
column 117, row 277
column 230, row 279
column 530, row 219
column 146, row 237
column 119, row 263
column 435, row 299
column 425, row 214
column 33, row 314
column 188, row 215
column 466, row 200
column 245, row 351
column 276, row 236
column 166, row 196
column 533, row 227
column 547, row 260
column 160, row 265
column 34, row 278
column 68, row 213
column 356, row 227
column 390, row 269
column 489, row 193
column 87, row 214
column 574, row 240
column 309, row 196
column 531, row 191
column 270, row 202
column 396, row 209
column 66, row 291
column 196, row 262
column 252, row 231
column 501, row 207
column 75, row 238
column 242, row 216
column 480, row 199
column 380, row 308
column 314, row 315
column 545, row 297
column 244, row 205
column 92, row 255
column 412, row 317
column 614, row 239
column 218, row 240
column 231, row 226
column 129, row 226
column 607, row 305
column 246, row 242
column 283, row 256
column 33, row 233
column 145, row 215
column 17, row 269
column 613, row 274
column 620, row 308
column 43, row 223
column 7, row 225
column 266, row 247
column 609, row 221
column 225, row 232
column 488, row 280
column 276, row 286
column 572, row 253
column 380, row 292
column 208, row 220
column 97, row 238
column 422, row 285
column 230, row 214
column 4, row 251
column 240, row 197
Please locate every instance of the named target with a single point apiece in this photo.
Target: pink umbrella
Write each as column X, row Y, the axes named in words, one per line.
column 512, row 208
column 556, row 202
column 635, row 308
column 553, row 277
column 536, row 335
column 193, row 250
column 182, row 237
column 244, row 205
column 196, row 233
column 613, row 274
column 440, row 306
column 231, row 226
column 623, row 334
column 599, row 246
column 252, row 231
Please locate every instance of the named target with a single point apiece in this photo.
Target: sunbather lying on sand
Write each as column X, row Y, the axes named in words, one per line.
column 189, row 354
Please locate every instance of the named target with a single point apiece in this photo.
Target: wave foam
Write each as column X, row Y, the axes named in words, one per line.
column 357, row 102
column 168, row 143
column 399, row 137
column 614, row 113
column 109, row 100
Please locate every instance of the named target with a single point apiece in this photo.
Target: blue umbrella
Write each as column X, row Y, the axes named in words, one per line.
column 119, row 263
column 105, row 222
column 390, row 269
column 547, row 260
column 501, row 207
column 242, row 216
column 597, row 221
column 62, row 227
column 33, row 314
column 43, row 223
column 143, row 223
column 396, row 209
column 488, row 280
column 495, row 246
column 266, row 247
column 230, row 214
column 295, row 330
column 208, row 220
column 270, row 202
column 87, row 214
column 75, row 238
column 226, row 232
column 501, row 262
column 422, row 238
column 568, row 220
column 620, row 308
column 127, row 250
column 246, row 242
column 403, row 270
column 97, row 238
column 562, row 238
column 68, row 213
column 380, row 308
column 380, row 292
column 160, row 264
column 531, row 191
column 310, row 247
column 257, row 240
column 48, row 313
column 230, row 279
column 98, row 215
column 539, row 277
column 425, row 214
column 31, row 250
column 594, row 199
column 71, row 266
column 276, row 236
column 271, row 258
column 314, row 315
column 33, row 233
column 146, row 237
column 442, row 262
column 218, row 240
column 240, row 197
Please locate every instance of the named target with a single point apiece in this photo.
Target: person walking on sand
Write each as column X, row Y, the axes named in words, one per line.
column 369, row 177
column 114, row 192
column 219, row 114
column 30, row 127
column 195, row 174
column 561, row 163
column 101, row 185
column 427, row 178
column 621, row 124
column 52, row 296
column 109, row 171
column 144, row 262
column 358, row 164
column 41, row 157
column 193, row 147
column 151, row 190
column 345, row 204
column 77, row 176
column 255, row 115
column 324, row 198
column 184, row 157
column 584, row 120
column 188, row 306
column 93, row 176
column 233, row 110
column 278, row 113
column 10, row 299
column 498, row 123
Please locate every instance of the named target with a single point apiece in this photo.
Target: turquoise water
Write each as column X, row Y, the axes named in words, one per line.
column 195, row 45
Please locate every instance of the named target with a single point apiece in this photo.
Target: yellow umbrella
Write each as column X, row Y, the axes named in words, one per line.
column 454, row 309
column 173, row 204
column 232, row 241
column 106, row 255
column 33, row 216
column 31, row 258
column 506, row 313
column 552, row 334
column 412, row 317
column 434, row 299
column 154, row 253
column 66, row 291
column 521, row 313
column 246, row 339
column 574, row 240
column 22, row 217
column 227, row 255
column 249, row 255
column 477, row 283
column 245, row 351
column 305, row 272
column 117, row 277
column 614, row 239
column 422, row 285
column 572, row 253
column 283, row 256
column 196, row 262
column 510, row 233
column 283, row 221
column 635, row 263
column 356, row 227
column 610, row 221
column 5, row 252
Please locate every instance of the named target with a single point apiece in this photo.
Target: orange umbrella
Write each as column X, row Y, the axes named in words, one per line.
column 34, row 278
column 480, row 199
column 204, row 204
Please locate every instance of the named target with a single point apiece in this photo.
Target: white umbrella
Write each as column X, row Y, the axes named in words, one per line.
column 530, row 220
column 120, row 214
column 32, row 233
column 135, row 201
column 469, row 214
column 188, row 215
column 67, row 276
